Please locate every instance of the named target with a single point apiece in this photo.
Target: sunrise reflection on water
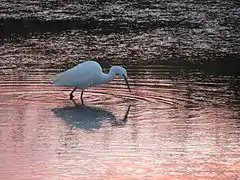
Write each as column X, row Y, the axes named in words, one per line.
column 167, row 133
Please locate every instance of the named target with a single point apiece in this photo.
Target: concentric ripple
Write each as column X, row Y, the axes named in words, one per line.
column 153, row 87
column 171, row 123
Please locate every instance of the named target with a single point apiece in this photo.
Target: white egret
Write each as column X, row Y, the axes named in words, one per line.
column 88, row 74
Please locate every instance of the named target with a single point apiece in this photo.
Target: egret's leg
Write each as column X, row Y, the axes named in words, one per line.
column 82, row 96
column 71, row 94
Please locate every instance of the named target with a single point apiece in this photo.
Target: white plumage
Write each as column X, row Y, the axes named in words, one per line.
column 87, row 74
column 81, row 76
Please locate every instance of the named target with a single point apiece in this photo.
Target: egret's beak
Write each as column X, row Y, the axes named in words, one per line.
column 127, row 82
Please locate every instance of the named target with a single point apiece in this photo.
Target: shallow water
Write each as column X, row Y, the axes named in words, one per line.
column 181, row 120
column 170, row 126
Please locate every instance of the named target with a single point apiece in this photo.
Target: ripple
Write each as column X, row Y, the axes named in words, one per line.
column 146, row 91
column 171, row 118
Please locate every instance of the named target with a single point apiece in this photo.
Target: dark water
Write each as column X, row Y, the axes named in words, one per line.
column 181, row 120
column 203, row 33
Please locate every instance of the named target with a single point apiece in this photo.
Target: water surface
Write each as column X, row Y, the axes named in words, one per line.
column 181, row 120
column 170, row 126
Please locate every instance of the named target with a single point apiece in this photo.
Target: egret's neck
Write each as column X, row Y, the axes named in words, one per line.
column 105, row 78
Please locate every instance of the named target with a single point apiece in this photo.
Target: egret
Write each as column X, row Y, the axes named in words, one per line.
column 88, row 74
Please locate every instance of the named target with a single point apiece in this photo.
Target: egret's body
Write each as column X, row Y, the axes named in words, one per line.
column 88, row 74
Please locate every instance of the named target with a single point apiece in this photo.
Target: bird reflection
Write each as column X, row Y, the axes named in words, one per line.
column 89, row 118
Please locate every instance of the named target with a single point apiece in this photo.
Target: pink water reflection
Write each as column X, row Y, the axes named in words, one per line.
column 158, row 141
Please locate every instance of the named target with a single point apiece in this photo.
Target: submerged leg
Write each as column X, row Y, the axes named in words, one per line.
column 71, row 94
column 82, row 96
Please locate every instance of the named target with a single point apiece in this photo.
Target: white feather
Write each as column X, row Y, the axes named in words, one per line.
column 81, row 76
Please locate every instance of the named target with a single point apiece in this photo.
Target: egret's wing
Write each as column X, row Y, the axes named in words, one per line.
column 79, row 76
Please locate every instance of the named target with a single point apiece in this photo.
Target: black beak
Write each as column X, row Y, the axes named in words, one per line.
column 127, row 82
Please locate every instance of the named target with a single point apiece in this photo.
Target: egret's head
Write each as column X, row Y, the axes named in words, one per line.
column 118, row 70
